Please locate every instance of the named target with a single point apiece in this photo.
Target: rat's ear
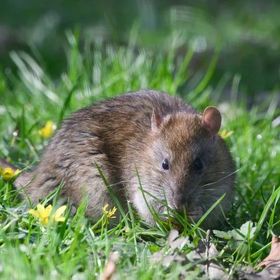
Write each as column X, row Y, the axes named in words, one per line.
column 156, row 120
column 212, row 119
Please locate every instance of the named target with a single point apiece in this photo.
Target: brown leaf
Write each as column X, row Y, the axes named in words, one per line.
column 212, row 268
column 176, row 242
column 166, row 259
column 271, row 264
column 216, row 272
column 274, row 256
column 110, row 267
column 172, row 236
column 270, row 273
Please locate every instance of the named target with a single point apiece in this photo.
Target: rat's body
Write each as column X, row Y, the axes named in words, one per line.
column 145, row 136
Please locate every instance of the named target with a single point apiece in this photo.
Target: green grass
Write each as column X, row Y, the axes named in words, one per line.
column 79, row 249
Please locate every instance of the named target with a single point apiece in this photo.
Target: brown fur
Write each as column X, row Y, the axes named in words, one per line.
column 128, row 137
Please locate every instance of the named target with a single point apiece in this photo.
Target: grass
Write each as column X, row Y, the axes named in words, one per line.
column 79, row 249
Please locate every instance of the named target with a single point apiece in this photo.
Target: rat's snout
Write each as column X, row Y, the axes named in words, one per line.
column 183, row 206
column 179, row 201
column 181, row 193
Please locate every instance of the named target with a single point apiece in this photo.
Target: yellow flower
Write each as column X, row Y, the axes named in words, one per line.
column 109, row 213
column 47, row 130
column 225, row 133
column 43, row 214
column 8, row 173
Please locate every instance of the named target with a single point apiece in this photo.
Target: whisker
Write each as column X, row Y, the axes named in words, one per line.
column 221, row 179
column 217, row 172
column 119, row 182
column 210, row 190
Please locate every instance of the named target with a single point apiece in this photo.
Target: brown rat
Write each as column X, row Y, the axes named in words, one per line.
column 145, row 136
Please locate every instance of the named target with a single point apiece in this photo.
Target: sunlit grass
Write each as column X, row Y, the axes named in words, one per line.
column 77, row 248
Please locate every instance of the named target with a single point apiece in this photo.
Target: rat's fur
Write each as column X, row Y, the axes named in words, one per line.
column 128, row 137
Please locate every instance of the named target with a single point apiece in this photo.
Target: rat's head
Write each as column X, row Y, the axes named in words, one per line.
column 185, row 165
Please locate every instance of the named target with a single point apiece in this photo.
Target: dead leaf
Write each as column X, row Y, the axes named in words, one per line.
column 216, row 272
column 274, row 255
column 204, row 256
column 270, row 273
column 212, row 268
column 110, row 267
column 176, row 242
column 166, row 259
column 271, row 264
column 172, row 235
column 170, row 259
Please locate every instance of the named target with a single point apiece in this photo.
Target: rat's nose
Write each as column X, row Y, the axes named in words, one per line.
column 180, row 201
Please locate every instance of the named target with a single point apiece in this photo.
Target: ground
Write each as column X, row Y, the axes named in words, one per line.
column 74, row 248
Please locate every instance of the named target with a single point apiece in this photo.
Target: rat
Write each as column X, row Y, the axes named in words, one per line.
column 151, row 148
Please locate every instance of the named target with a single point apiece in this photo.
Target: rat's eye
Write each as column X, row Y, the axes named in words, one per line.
column 198, row 165
column 165, row 164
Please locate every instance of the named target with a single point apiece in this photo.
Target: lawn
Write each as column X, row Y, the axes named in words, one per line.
column 78, row 249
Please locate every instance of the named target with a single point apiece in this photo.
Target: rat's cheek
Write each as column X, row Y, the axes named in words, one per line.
column 148, row 206
column 142, row 203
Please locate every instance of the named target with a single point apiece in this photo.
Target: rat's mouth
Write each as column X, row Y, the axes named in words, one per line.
column 191, row 213
column 196, row 214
